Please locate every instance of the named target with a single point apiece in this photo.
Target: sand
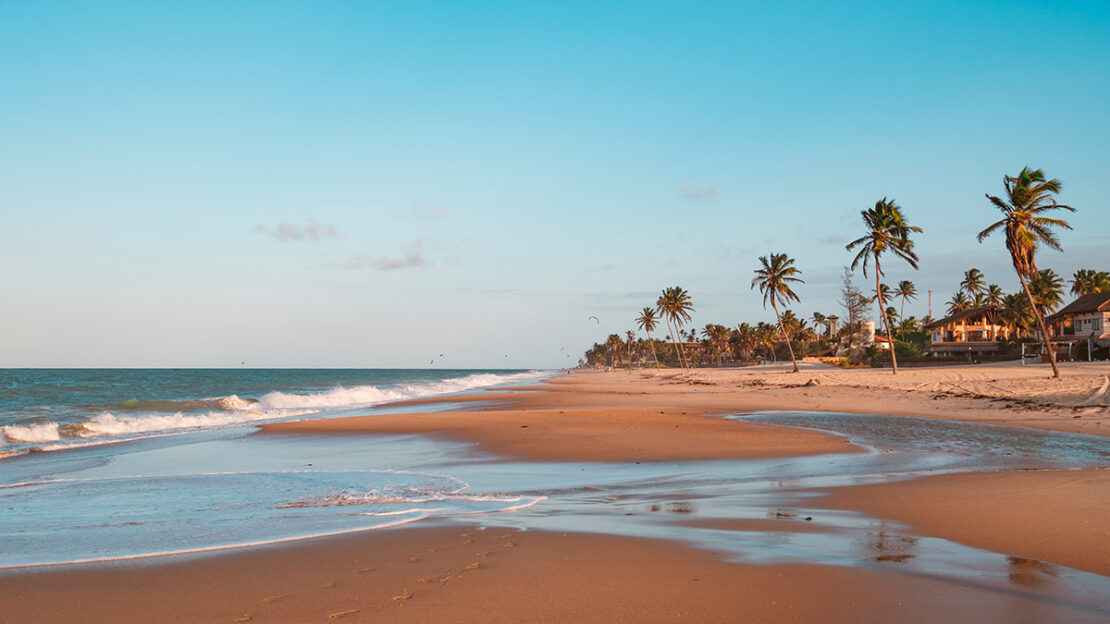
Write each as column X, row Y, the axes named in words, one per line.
column 455, row 574
column 1057, row 516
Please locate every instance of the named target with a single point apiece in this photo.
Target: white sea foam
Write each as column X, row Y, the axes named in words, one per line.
column 232, row 410
column 371, row 395
column 40, row 432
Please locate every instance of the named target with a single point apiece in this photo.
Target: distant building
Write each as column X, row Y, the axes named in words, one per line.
column 969, row 333
column 1081, row 329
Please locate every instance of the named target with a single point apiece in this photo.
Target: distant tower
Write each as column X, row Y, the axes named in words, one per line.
column 930, row 303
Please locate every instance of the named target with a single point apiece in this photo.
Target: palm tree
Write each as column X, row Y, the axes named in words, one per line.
column 958, row 303
column 882, row 293
column 675, row 305
column 747, row 338
column 1048, row 290
column 887, row 230
column 1028, row 196
column 631, row 335
column 993, row 295
column 822, row 321
column 906, row 290
column 1089, row 281
column 774, row 279
column 973, row 284
column 647, row 321
column 614, row 343
column 1015, row 315
column 718, row 336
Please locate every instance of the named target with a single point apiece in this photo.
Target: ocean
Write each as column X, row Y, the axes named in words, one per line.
column 110, row 464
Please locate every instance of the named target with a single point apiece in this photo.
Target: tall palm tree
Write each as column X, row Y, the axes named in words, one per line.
column 906, row 290
column 973, row 283
column 958, row 303
column 773, row 279
column 887, row 230
column 631, row 335
column 647, row 321
column 1029, row 196
column 1089, row 281
column 675, row 305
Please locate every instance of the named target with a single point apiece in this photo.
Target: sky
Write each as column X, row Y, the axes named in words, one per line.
column 361, row 184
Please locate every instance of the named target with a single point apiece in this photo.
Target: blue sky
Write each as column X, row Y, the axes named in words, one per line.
column 360, row 184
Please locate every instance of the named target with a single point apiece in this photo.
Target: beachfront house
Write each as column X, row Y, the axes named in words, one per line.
column 971, row 333
column 1081, row 329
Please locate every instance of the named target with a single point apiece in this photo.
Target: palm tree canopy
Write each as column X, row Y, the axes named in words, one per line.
column 675, row 303
column 887, row 230
column 647, row 320
column 1048, row 289
column 1029, row 196
column 1089, row 281
column 883, row 291
column 994, row 295
column 774, row 278
column 906, row 290
column 958, row 303
column 973, row 282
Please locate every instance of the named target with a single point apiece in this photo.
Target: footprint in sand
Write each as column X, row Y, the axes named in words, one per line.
column 328, row 585
column 404, row 595
column 342, row 614
column 364, row 570
column 473, row 566
column 246, row 617
column 269, row 599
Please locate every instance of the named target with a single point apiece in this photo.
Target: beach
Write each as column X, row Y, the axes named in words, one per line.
column 1033, row 542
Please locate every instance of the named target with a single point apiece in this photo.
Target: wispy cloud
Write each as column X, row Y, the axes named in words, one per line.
column 694, row 193
column 413, row 259
column 312, row 232
column 427, row 211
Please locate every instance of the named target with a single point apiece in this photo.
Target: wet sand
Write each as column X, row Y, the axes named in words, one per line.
column 459, row 575
column 1058, row 516
column 438, row 574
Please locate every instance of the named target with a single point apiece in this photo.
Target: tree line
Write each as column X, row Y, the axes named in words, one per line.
column 1026, row 223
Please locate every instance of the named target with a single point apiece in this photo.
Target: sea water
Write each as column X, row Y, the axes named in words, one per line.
column 103, row 465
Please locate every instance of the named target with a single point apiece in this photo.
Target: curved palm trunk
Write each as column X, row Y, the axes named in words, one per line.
column 782, row 330
column 630, row 355
column 1045, row 341
column 886, row 320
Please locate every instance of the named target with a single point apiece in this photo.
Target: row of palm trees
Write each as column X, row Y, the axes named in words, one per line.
column 1028, row 200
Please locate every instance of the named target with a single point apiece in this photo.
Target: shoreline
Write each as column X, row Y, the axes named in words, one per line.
column 429, row 572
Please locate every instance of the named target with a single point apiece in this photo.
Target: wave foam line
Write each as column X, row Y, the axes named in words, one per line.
column 356, row 396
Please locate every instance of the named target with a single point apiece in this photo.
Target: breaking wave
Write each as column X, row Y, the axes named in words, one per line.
column 135, row 417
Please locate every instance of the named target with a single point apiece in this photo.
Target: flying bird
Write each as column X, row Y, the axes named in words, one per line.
column 594, row 318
